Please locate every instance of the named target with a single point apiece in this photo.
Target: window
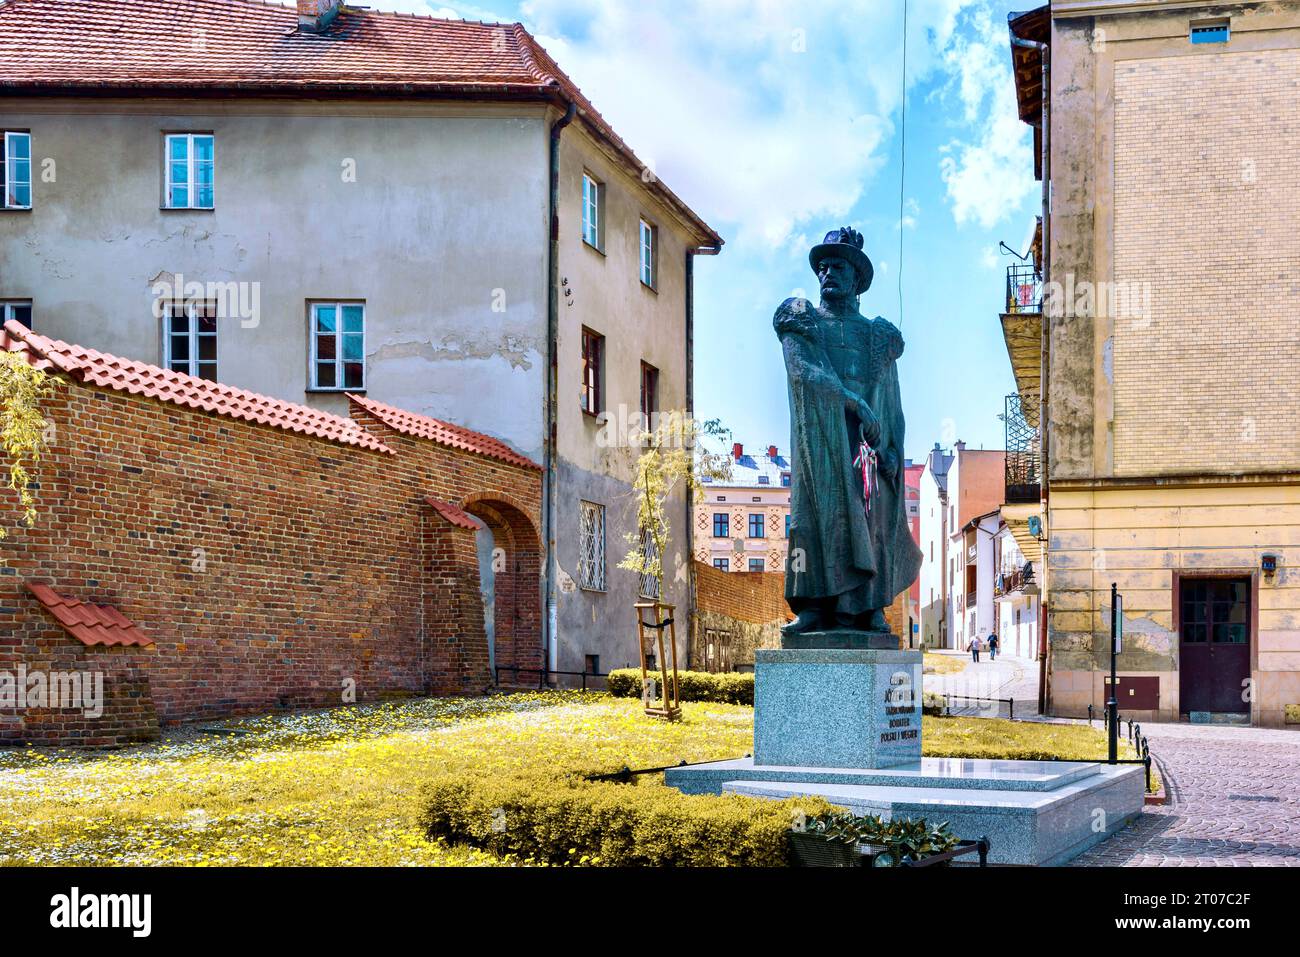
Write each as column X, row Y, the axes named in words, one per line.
column 785, row 479
column 788, row 518
column 17, row 309
column 593, row 209
column 649, row 392
column 649, row 255
column 722, row 564
column 593, row 372
column 190, row 339
column 721, row 525
column 756, row 564
column 190, row 161
column 338, row 345
column 592, row 664
column 756, row 526
column 591, row 559
column 16, row 171
column 1209, row 31
column 764, row 480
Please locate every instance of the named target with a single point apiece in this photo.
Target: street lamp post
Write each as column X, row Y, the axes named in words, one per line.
column 1112, row 703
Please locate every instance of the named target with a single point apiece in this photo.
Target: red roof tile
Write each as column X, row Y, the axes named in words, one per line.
column 140, row 378
column 206, row 46
column 455, row 515
column 89, row 624
column 444, row 433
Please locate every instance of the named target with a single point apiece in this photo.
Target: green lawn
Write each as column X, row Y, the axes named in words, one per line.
column 342, row 787
column 944, row 664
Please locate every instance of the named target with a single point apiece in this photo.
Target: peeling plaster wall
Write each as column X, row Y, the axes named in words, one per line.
column 1140, row 540
column 445, row 220
column 1162, row 457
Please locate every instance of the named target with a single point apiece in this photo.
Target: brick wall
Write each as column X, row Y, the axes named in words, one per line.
column 747, row 610
column 1198, row 140
column 271, row 569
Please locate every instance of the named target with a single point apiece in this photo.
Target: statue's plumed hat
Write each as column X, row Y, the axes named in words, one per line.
column 845, row 243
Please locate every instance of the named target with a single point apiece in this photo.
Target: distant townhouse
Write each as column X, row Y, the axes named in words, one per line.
column 743, row 524
column 325, row 202
column 957, row 489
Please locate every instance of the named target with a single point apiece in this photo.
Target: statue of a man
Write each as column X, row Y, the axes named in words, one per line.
column 851, row 549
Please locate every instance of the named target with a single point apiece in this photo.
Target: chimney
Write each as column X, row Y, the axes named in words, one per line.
column 737, row 451
column 771, row 452
column 960, row 446
column 315, row 16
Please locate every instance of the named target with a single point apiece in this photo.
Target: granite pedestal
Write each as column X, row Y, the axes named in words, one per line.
column 838, row 708
column 845, row 725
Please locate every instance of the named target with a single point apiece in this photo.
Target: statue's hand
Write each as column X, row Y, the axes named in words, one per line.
column 870, row 424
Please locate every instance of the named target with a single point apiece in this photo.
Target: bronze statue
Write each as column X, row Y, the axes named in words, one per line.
column 851, row 549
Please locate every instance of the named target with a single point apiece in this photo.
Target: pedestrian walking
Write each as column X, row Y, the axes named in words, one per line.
column 993, row 646
column 974, row 648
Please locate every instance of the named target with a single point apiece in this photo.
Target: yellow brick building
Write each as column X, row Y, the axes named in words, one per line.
column 1165, row 353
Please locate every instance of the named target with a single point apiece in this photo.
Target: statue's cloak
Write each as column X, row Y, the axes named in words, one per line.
column 837, row 550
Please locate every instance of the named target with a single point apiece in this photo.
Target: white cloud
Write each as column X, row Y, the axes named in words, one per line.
column 989, row 177
column 760, row 114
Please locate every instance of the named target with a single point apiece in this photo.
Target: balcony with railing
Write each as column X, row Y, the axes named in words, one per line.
column 1019, row 581
column 1024, row 450
column 1024, row 290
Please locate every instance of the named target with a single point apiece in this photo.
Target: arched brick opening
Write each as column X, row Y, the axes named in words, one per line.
column 516, row 576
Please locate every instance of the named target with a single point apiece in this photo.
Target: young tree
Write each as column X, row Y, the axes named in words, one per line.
column 22, row 426
column 671, row 458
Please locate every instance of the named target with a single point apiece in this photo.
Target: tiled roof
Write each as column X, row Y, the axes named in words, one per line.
column 89, row 624
column 208, row 46
column 455, row 515
column 140, row 378
column 444, row 433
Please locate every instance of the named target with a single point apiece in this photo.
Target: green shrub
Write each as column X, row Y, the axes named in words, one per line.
column 560, row 819
column 727, row 687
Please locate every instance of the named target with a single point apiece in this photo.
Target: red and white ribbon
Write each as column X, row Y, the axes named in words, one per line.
column 866, row 461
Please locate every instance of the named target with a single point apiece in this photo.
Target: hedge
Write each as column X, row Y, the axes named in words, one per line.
column 559, row 819
column 726, row 687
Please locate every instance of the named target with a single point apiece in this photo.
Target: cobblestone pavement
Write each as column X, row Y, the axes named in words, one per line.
column 1004, row 677
column 1234, row 800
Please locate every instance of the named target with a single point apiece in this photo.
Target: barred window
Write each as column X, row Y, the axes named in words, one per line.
column 591, row 562
column 649, row 584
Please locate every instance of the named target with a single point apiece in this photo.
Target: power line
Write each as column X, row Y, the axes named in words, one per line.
column 902, row 173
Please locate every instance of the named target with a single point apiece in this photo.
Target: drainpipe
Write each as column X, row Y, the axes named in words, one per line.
column 691, row 253
column 551, row 639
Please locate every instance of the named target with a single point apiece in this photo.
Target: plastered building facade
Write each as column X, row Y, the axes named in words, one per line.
column 1168, row 345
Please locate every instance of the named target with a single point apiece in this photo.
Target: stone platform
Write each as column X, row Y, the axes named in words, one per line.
column 845, row 724
column 1033, row 812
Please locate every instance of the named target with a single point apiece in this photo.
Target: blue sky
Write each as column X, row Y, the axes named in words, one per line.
column 778, row 121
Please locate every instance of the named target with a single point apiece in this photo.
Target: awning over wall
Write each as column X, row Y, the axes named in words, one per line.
column 89, row 624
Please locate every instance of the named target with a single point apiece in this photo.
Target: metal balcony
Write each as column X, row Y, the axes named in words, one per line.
column 1024, row 290
column 1024, row 450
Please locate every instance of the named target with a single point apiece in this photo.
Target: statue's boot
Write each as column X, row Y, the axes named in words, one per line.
column 867, row 621
column 810, row 619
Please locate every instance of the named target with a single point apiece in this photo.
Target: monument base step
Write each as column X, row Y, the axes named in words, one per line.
column 1033, row 812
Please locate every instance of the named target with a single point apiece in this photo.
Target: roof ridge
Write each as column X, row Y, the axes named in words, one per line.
column 487, row 445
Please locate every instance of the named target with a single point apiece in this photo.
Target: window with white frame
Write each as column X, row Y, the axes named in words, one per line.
column 649, row 255
column 17, row 309
column 338, row 345
column 591, row 560
column 190, row 163
column 190, row 338
column 16, row 170
column 593, row 208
